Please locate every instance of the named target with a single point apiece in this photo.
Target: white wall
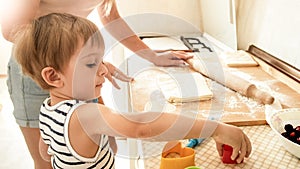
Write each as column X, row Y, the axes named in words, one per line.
column 173, row 14
column 272, row 25
column 5, row 53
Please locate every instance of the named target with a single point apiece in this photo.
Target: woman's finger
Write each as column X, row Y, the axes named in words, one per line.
column 122, row 76
column 114, row 72
column 183, row 55
column 172, row 59
column 113, row 82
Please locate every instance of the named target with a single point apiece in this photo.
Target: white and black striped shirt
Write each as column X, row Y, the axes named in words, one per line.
column 54, row 122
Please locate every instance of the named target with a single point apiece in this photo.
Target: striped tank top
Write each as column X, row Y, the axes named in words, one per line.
column 54, row 122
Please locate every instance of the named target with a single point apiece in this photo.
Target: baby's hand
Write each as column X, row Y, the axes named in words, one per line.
column 236, row 138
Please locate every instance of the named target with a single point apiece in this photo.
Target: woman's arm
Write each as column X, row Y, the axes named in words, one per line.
column 16, row 13
column 119, row 29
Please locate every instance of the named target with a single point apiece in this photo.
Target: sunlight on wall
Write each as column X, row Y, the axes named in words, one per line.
column 272, row 26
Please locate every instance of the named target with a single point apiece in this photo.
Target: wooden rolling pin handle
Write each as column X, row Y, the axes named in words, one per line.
column 235, row 83
column 257, row 94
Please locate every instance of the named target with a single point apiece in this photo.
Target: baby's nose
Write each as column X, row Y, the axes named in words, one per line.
column 102, row 70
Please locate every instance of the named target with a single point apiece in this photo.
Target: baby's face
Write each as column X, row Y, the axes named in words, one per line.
column 87, row 72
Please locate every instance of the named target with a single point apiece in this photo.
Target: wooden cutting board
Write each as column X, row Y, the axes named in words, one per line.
column 238, row 110
column 231, row 107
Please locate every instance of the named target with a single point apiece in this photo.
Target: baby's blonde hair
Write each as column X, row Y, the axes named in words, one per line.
column 51, row 40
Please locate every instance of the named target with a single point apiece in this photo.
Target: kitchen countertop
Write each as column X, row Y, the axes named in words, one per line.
column 267, row 153
column 235, row 108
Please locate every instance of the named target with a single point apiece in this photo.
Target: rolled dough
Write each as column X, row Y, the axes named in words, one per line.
column 184, row 87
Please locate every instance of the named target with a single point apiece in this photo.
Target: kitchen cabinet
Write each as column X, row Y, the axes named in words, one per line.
column 219, row 21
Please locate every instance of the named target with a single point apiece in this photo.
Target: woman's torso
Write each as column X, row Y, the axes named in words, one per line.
column 76, row 7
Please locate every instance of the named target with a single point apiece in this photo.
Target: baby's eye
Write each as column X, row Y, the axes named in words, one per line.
column 94, row 64
column 91, row 65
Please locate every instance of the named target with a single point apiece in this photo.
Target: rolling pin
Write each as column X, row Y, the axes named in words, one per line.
column 234, row 82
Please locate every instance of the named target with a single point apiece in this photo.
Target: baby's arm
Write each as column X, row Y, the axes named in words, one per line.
column 98, row 119
column 43, row 148
column 113, row 144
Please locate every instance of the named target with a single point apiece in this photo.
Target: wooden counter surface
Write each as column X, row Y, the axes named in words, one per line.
column 237, row 109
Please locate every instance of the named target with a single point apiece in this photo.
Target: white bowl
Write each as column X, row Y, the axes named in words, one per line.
column 277, row 122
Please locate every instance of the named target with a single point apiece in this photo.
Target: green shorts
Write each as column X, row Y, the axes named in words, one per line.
column 27, row 97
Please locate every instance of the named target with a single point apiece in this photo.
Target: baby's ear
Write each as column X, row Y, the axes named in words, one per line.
column 52, row 77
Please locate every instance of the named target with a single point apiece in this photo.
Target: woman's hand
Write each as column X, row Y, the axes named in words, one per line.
column 118, row 74
column 171, row 58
